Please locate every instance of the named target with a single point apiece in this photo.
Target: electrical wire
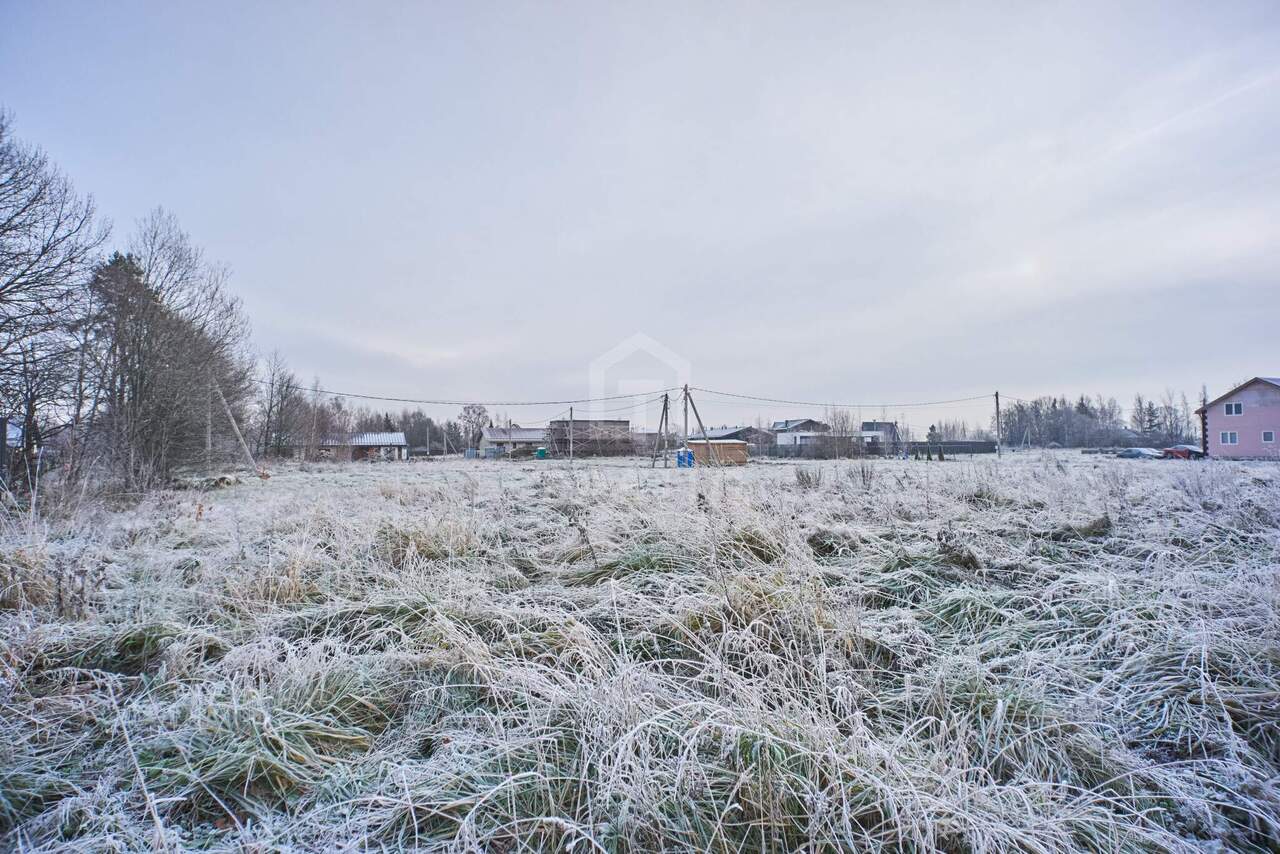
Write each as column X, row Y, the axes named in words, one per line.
column 838, row 405
column 430, row 402
column 633, row 396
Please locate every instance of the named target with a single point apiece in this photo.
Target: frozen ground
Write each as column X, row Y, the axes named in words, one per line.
column 1054, row 652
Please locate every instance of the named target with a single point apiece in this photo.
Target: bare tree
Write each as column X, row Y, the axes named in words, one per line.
column 169, row 339
column 281, row 419
column 48, row 243
column 474, row 418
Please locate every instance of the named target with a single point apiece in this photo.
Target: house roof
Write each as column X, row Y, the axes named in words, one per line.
column 723, row 433
column 792, row 423
column 514, row 434
column 696, row 441
column 382, row 439
column 879, row 425
column 1275, row 381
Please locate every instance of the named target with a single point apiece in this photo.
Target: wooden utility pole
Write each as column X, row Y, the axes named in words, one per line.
column 684, row 437
column 208, row 422
column 711, row 451
column 571, row 434
column 662, row 435
column 235, row 428
column 999, row 442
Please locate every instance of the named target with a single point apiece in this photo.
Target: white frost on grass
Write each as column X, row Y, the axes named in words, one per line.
column 1046, row 653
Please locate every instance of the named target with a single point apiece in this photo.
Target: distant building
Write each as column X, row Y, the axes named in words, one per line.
column 800, row 431
column 799, row 425
column 750, row 435
column 364, row 446
column 881, row 437
column 379, row 446
column 508, row 440
column 591, row 437
column 1244, row 423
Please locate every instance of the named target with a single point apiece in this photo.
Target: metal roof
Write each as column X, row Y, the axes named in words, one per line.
column 381, row 439
column 719, row 433
column 725, row 432
column 514, row 434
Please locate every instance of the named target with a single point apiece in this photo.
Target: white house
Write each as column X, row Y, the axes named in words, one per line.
column 799, row 431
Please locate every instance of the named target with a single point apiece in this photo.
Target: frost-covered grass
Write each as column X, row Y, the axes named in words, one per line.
column 1049, row 653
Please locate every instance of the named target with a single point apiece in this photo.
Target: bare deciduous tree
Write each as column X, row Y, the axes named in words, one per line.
column 48, row 242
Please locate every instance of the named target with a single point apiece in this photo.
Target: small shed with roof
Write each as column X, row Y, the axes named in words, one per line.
column 379, row 446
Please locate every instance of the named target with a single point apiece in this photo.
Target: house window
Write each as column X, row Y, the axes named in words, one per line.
column 1235, row 408
column 1231, row 438
column 1268, row 436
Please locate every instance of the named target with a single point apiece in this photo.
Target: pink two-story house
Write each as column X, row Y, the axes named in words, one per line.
column 1245, row 422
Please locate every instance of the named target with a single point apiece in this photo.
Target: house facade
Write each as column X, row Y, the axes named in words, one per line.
column 881, row 437
column 799, row 431
column 1244, row 423
column 507, row 440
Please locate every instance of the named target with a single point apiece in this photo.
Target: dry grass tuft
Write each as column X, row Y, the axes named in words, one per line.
column 1046, row 654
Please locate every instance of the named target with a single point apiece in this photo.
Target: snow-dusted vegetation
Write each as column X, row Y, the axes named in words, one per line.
column 1045, row 653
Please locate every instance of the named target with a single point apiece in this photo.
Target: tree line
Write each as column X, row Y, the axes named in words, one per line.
column 1099, row 421
column 129, row 361
column 291, row 419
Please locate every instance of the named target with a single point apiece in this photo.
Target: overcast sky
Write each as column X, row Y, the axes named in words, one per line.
column 854, row 202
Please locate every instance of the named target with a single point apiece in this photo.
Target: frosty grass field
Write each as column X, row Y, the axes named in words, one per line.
column 1047, row 653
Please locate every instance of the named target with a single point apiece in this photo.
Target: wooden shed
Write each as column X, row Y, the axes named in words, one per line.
column 729, row 452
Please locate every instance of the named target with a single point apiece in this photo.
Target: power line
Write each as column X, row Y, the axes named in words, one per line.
column 839, row 405
column 430, row 402
column 565, row 412
column 633, row 396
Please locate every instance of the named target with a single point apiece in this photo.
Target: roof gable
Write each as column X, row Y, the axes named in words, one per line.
column 793, row 424
column 1273, row 381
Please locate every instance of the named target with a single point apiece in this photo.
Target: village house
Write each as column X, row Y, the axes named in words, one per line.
column 508, row 440
column 1244, row 423
column 750, row 435
column 799, row 431
column 881, row 437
